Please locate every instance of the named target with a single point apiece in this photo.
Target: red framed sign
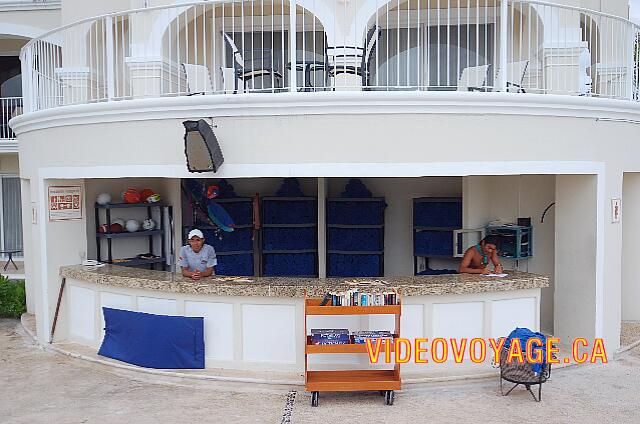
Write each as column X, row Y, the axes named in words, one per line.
column 65, row 203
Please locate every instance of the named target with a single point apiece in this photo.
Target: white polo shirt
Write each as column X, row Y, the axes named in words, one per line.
column 205, row 258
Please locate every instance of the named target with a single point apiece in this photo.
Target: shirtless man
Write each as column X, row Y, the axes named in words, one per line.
column 476, row 259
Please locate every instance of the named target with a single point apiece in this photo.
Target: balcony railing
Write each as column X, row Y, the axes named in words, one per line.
column 10, row 107
column 237, row 46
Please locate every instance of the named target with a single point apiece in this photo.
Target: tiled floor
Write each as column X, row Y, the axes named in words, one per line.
column 11, row 271
column 45, row 387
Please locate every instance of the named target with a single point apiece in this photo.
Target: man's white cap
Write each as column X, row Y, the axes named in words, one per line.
column 195, row 233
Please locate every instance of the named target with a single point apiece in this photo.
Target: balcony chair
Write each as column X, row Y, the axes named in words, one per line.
column 258, row 67
column 353, row 60
column 522, row 374
column 473, row 78
column 515, row 73
column 198, row 79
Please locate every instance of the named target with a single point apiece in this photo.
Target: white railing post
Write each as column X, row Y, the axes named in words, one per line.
column 110, row 57
column 504, row 34
column 293, row 78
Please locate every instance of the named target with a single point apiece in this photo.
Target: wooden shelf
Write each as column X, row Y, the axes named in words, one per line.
column 313, row 308
column 342, row 348
column 353, row 380
column 353, row 310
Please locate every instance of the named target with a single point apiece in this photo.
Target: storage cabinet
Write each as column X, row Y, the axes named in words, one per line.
column 355, row 237
column 290, row 236
column 434, row 222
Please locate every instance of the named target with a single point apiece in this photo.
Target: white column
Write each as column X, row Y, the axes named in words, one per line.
column 293, row 75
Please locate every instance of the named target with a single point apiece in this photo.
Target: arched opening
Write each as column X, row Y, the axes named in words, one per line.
column 428, row 44
column 238, row 46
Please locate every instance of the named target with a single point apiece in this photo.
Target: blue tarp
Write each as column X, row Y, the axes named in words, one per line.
column 153, row 341
column 525, row 334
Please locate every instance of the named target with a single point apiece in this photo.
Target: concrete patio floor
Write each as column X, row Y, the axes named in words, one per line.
column 46, row 387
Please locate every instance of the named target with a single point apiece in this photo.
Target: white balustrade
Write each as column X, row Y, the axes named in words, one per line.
column 241, row 46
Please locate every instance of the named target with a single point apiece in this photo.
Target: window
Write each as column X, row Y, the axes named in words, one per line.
column 10, row 214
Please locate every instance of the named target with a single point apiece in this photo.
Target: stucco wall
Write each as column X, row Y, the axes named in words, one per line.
column 9, row 164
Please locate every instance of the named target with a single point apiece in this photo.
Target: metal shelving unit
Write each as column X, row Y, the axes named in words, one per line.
column 151, row 235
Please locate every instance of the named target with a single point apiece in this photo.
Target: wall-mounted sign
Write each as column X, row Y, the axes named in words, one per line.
column 65, row 203
column 616, row 210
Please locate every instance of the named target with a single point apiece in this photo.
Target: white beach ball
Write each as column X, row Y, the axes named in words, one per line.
column 148, row 224
column 132, row 225
column 103, row 199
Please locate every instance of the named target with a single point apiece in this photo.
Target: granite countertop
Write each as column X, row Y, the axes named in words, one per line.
column 135, row 278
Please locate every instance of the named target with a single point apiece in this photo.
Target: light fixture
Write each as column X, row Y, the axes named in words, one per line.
column 201, row 147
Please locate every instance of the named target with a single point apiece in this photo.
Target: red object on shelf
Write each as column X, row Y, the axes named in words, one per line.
column 104, row 228
column 131, row 196
column 146, row 193
column 116, row 228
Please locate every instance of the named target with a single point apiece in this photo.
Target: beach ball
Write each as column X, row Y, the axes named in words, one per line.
column 154, row 198
column 132, row 225
column 131, row 196
column 145, row 193
column 148, row 224
column 103, row 199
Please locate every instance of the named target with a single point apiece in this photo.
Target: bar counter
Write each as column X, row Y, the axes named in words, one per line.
column 133, row 278
column 257, row 323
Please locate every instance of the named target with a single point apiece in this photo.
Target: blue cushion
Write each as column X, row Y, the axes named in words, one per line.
column 153, row 341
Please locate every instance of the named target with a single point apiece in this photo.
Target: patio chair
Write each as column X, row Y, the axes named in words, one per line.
column 522, row 374
column 198, row 79
column 473, row 78
column 260, row 67
column 353, row 60
column 515, row 73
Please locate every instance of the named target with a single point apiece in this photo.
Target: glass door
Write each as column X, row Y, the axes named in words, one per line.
column 10, row 214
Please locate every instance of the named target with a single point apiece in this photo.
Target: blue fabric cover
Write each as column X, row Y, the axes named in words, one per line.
column 430, row 271
column 153, row 341
column 289, row 264
column 226, row 190
column 241, row 239
column 355, row 239
column 434, row 243
column 241, row 211
column 289, row 211
column 290, row 188
column 235, row 265
column 355, row 213
column 356, row 188
column 339, row 265
column 525, row 334
column 290, row 238
column 437, row 214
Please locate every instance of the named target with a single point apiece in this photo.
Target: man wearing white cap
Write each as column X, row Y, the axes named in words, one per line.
column 197, row 259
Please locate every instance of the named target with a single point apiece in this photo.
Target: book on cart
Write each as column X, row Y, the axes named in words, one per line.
column 360, row 337
column 327, row 336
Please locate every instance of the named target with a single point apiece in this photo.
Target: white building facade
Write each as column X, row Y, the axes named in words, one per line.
column 512, row 105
